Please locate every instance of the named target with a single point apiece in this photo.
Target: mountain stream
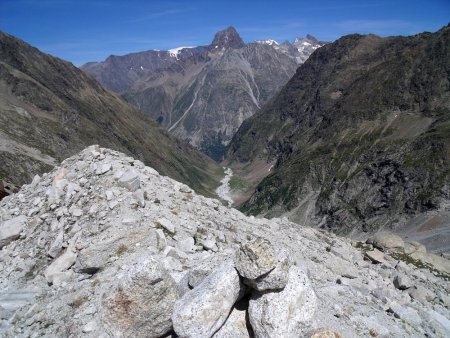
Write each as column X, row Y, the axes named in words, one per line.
column 224, row 191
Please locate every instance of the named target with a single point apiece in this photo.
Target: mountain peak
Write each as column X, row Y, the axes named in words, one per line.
column 227, row 38
column 308, row 38
column 311, row 38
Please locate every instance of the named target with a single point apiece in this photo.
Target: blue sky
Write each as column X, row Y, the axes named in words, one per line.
column 90, row 30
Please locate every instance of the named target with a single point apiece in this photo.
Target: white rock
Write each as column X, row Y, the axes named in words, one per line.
column 386, row 240
column 90, row 326
column 130, row 180
column 139, row 197
column 203, row 310
column 172, row 264
column 36, row 181
column 402, row 282
column 186, row 244
column 61, row 264
column 175, row 253
column 376, row 256
column 406, row 313
column 285, row 313
column 166, row 224
column 161, row 241
column 10, row 230
column 56, row 246
column 185, row 189
column 77, row 212
column 103, row 169
column 209, row 244
column 140, row 302
column 109, row 195
column 36, row 201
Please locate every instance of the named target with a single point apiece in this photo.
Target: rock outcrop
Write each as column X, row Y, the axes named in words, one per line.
column 132, row 264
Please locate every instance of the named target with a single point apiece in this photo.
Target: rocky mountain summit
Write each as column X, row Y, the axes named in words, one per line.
column 50, row 110
column 359, row 138
column 203, row 94
column 103, row 246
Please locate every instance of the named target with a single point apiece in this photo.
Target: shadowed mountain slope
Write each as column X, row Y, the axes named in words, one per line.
column 51, row 110
column 359, row 137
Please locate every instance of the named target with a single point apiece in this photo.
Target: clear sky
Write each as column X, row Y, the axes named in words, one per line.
column 90, row 30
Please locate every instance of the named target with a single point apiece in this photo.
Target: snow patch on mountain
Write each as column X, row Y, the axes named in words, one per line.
column 269, row 42
column 175, row 51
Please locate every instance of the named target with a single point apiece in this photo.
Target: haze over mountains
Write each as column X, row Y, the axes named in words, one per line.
column 49, row 110
column 359, row 138
column 203, row 94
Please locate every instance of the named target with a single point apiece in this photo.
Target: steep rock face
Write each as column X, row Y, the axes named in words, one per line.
column 203, row 94
column 359, row 137
column 49, row 110
column 122, row 273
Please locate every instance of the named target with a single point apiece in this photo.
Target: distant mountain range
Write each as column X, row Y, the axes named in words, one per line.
column 203, row 94
column 49, row 110
column 358, row 139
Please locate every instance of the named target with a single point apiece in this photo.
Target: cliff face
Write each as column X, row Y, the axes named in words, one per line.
column 359, row 136
column 203, row 94
column 50, row 109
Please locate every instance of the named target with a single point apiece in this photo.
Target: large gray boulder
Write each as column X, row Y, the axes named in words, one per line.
column 384, row 240
column 10, row 230
column 256, row 258
column 203, row 310
column 284, row 313
column 140, row 302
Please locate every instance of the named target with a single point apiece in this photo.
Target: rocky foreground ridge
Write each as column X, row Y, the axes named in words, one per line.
column 103, row 246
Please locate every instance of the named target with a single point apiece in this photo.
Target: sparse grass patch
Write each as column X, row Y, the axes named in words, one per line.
column 78, row 302
column 47, row 325
column 121, row 250
column 237, row 183
column 363, row 246
column 420, row 264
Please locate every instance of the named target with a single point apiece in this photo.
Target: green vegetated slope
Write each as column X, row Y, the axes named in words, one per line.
column 49, row 110
column 360, row 134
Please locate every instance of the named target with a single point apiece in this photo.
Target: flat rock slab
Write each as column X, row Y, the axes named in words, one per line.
column 61, row 264
column 376, row 256
column 10, row 230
